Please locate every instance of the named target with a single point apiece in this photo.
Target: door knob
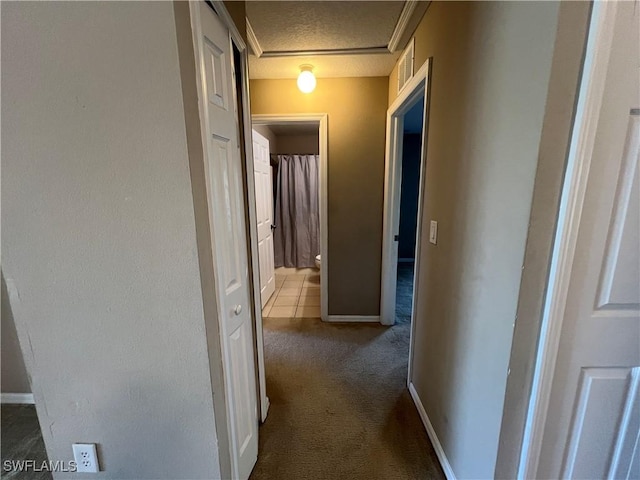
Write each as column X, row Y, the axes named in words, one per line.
column 237, row 309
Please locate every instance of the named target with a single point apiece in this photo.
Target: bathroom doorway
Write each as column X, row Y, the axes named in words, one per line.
column 295, row 148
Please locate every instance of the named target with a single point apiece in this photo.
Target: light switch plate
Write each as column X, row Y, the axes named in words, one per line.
column 433, row 232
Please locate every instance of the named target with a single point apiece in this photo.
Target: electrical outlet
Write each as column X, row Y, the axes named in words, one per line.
column 85, row 456
column 433, row 232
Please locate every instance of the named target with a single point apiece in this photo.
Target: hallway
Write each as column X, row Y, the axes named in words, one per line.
column 339, row 404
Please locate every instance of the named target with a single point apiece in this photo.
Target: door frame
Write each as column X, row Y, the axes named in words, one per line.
column 413, row 90
column 591, row 91
column 252, row 231
column 418, row 86
column 321, row 120
column 245, row 142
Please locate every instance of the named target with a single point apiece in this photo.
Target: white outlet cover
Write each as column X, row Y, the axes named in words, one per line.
column 86, row 457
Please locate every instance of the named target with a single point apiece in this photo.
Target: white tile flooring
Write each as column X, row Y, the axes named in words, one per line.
column 297, row 294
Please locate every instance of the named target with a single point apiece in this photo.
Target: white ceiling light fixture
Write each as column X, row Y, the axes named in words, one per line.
column 306, row 79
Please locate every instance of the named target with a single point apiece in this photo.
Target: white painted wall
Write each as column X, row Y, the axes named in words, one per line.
column 99, row 241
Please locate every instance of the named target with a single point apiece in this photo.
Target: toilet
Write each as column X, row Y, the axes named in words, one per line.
column 318, row 261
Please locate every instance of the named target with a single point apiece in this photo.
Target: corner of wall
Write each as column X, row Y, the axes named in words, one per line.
column 15, row 378
column 562, row 95
column 238, row 12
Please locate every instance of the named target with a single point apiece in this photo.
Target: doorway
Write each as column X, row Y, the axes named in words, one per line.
column 411, row 160
column 290, row 196
column 296, row 147
column 399, row 281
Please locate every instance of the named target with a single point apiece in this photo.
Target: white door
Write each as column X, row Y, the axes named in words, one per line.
column 264, row 214
column 593, row 420
column 223, row 168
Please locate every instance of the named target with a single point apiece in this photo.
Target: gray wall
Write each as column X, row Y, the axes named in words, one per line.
column 303, row 143
column 14, row 373
column 491, row 69
column 267, row 133
column 99, row 236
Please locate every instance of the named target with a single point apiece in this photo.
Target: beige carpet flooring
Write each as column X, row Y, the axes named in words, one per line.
column 339, row 405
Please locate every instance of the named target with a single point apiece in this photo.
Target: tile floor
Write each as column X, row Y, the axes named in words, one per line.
column 297, row 294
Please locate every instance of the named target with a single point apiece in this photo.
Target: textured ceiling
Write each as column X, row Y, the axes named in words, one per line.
column 299, row 26
column 304, row 26
column 324, row 66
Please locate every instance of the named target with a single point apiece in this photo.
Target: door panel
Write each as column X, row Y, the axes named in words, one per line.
column 223, row 168
column 224, row 184
column 264, row 213
column 240, row 340
column 592, row 423
column 617, row 285
column 600, row 391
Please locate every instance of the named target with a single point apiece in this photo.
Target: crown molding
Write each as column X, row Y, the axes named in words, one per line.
column 334, row 51
column 252, row 40
column 412, row 12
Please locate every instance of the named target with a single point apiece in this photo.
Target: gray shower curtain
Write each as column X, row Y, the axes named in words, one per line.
column 296, row 238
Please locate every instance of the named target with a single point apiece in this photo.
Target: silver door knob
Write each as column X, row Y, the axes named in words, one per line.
column 237, row 309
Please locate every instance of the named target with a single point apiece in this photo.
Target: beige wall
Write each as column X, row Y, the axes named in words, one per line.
column 357, row 114
column 99, row 236
column 14, row 373
column 299, row 144
column 490, row 79
column 237, row 10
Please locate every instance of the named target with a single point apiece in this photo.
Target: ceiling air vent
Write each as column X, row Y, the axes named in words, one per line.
column 405, row 66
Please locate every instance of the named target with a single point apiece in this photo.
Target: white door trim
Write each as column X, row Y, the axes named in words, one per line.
column 320, row 119
column 254, row 262
column 221, row 10
column 245, row 118
column 225, row 16
column 591, row 92
column 416, row 87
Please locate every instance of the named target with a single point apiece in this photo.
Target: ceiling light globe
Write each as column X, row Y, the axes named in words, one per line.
column 306, row 81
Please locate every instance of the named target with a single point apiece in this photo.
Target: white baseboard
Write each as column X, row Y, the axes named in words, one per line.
column 265, row 411
column 444, row 462
column 353, row 318
column 22, row 398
